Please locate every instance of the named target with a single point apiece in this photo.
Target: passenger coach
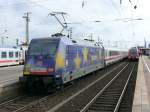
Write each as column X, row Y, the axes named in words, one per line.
column 113, row 55
column 9, row 56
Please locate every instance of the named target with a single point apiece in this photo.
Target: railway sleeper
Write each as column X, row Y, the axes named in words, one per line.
column 101, row 109
column 113, row 91
column 109, row 96
column 106, row 101
column 103, row 103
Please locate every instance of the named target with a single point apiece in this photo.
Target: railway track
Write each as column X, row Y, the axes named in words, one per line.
column 110, row 97
column 58, row 101
column 127, row 101
column 18, row 103
column 86, row 100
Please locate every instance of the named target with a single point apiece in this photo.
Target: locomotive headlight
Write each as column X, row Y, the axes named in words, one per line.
column 26, row 70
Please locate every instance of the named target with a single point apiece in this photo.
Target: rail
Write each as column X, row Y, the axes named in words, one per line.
column 99, row 100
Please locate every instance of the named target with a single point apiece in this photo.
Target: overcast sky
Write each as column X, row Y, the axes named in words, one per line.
column 113, row 26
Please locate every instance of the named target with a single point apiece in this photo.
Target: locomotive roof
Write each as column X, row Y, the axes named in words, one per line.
column 69, row 41
column 116, row 49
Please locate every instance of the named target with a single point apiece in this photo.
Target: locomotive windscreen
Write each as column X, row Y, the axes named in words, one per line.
column 43, row 47
column 133, row 50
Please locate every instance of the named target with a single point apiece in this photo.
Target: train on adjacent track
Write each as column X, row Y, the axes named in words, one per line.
column 12, row 56
column 57, row 60
column 134, row 53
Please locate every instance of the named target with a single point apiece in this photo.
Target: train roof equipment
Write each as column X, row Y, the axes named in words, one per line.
column 69, row 41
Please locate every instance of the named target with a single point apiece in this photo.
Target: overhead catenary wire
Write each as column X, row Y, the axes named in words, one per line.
column 39, row 5
column 112, row 2
column 21, row 3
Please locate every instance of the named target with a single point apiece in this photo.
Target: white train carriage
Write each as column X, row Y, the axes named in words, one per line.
column 9, row 56
column 113, row 55
column 23, row 51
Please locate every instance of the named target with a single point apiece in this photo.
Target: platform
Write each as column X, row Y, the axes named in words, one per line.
column 9, row 81
column 10, row 74
column 141, row 101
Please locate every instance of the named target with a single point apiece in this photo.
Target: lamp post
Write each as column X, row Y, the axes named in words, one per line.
column 27, row 19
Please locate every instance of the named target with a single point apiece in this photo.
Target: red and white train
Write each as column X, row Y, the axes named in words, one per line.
column 134, row 53
column 113, row 55
column 12, row 56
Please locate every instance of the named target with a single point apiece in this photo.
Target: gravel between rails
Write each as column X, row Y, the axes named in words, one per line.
column 18, row 102
column 127, row 101
column 78, row 103
column 110, row 98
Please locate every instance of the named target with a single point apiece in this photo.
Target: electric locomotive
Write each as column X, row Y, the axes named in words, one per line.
column 54, row 61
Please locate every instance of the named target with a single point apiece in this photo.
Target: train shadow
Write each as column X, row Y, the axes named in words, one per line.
column 131, row 60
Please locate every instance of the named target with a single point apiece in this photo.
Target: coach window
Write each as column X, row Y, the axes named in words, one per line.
column 11, row 54
column 4, row 55
column 16, row 54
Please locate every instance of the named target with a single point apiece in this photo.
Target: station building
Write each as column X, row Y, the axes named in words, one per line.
column 145, row 51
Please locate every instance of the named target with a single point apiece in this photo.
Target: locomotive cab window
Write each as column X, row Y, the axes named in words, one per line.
column 3, row 55
column 133, row 50
column 11, row 54
column 43, row 47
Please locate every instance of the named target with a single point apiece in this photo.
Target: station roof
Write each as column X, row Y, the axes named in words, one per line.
column 145, row 48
